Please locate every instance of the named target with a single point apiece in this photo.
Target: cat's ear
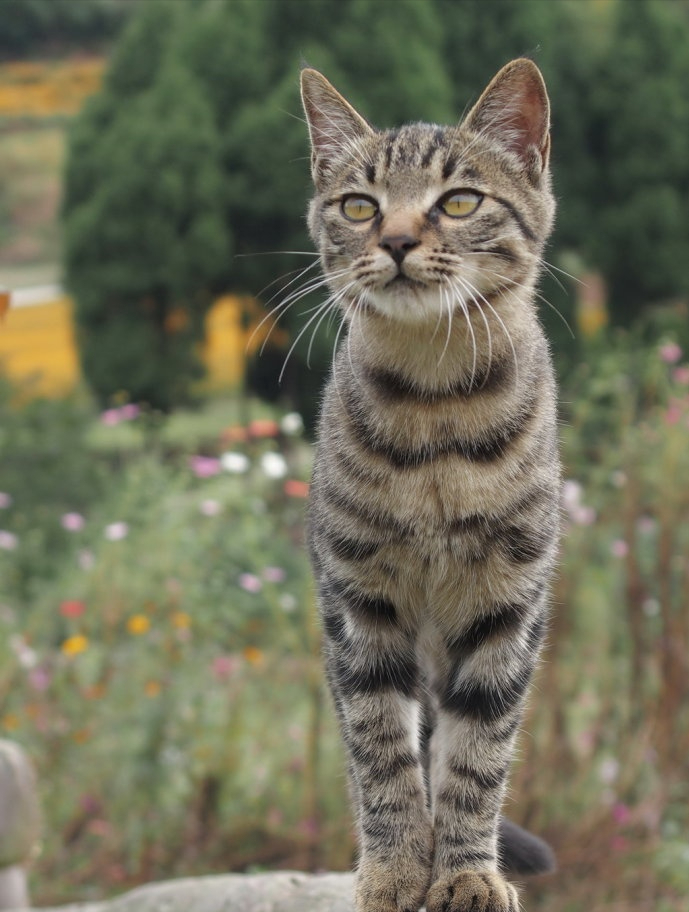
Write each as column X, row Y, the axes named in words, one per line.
column 514, row 111
column 334, row 125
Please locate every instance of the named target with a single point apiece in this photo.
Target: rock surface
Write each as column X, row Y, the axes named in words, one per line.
column 19, row 822
column 281, row 891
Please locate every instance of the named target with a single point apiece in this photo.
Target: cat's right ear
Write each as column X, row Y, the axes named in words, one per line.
column 334, row 125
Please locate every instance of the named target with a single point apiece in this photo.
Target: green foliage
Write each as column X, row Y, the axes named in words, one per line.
column 615, row 71
column 40, row 26
column 145, row 239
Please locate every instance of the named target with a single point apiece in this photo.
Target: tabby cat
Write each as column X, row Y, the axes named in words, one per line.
column 433, row 517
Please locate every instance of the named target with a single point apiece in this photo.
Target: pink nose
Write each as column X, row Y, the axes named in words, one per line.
column 398, row 245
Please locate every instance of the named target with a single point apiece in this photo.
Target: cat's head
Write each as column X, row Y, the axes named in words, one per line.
column 415, row 221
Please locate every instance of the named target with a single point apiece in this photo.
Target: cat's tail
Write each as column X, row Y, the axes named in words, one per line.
column 521, row 852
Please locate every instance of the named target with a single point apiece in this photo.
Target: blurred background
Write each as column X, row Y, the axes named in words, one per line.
column 159, row 653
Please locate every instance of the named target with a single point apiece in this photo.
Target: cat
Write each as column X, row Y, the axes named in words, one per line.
column 434, row 506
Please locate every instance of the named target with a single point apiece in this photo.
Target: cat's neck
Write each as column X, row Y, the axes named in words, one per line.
column 435, row 355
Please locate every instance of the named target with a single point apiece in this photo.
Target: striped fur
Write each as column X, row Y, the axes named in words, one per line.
column 433, row 517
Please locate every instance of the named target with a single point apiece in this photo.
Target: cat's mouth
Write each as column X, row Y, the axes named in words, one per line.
column 402, row 280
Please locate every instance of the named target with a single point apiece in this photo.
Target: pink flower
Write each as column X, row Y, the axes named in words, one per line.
column 274, row 574
column 40, row 678
column 210, row 507
column 5, row 500
column 110, row 417
column 8, row 541
column 619, row 548
column 72, row 522
column 129, row 412
column 250, row 583
column 224, row 666
column 681, row 375
column 621, row 813
column 670, row 353
column 205, row 466
column 674, row 412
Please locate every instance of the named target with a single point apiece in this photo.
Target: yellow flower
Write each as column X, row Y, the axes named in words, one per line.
column 75, row 644
column 181, row 620
column 138, row 624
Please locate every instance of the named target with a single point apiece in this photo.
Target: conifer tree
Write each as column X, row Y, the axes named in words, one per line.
column 145, row 236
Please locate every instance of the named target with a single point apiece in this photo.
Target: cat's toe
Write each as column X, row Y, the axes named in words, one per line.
column 472, row 891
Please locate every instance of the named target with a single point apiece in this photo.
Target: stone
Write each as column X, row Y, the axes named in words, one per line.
column 19, row 823
column 280, row 891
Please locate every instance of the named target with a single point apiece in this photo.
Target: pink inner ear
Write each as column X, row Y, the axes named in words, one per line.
column 533, row 124
column 514, row 111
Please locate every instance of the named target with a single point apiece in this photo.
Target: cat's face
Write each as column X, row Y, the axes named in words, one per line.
column 419, row 221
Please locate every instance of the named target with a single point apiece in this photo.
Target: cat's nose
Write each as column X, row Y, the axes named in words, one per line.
column 398, row 245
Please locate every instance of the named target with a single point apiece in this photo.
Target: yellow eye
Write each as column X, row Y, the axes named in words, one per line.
column 359, row 208
column 460, row 203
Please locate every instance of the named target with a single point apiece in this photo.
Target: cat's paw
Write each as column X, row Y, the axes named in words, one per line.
column 393, row 886
column 472, row 891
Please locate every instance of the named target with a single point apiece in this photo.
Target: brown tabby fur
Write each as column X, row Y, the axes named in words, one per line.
column 434, row 504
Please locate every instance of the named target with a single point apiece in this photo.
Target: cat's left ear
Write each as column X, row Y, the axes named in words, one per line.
column 515, row 112
column 334, row 125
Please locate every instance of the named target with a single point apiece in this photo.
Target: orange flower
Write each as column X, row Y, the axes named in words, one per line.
column 5, row 298
column 253, row 655
column 138, row 624
column 234, row 434
column 181, row 620
column 73, row 645
column 152, row 688
column 263, row 427
column 10, row 722
column 294, row 488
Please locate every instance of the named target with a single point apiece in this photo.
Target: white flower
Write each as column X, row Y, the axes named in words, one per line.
column 274, row 465
column 292, row 424
column 237, row 463
column 26, row 656
column 116, row 531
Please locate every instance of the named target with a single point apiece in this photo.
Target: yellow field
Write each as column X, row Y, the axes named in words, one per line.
column 40, row 89
column 38, row 350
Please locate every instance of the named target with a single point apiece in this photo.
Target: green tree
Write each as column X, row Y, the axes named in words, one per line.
column 145, row 236
column 32, row 27
column 639, row 201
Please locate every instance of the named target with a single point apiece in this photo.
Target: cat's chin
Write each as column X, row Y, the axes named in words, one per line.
column 409, row 302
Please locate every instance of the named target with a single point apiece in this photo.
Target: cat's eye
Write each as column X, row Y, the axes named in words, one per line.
column 460, row 203
column 359, row 208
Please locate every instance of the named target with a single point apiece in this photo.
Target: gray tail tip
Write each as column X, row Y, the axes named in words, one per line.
column 521, row 852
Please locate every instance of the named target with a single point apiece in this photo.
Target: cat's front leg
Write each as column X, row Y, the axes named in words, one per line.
column 373, row 674
column 395, row 834
column 480, row 704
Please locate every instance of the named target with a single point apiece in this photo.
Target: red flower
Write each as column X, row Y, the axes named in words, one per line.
column 294, row 488
column 72, row 608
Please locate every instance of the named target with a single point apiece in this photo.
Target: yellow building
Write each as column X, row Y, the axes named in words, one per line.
column 38, row 348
